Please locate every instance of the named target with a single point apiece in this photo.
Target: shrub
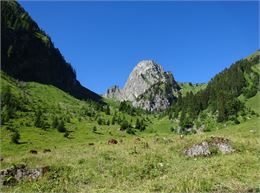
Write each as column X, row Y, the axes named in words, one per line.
column 113, row 120
column 55, row 122
column 107, row 110
column 130, row 131
column 39, row 122
column 66, row 134
column 140, row 125
column 15, row 137
column 61, row 127
column 124, row 125
column 172, row 129
column 6, row 114
column 100, row 121
column 94, row 129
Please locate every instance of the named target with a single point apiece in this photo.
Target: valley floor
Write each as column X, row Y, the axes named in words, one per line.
column 155, row 163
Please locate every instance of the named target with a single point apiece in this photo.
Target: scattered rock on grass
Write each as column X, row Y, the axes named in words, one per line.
column 222, row 144
column 206, row 147
column 17, row 173
column 201, row 149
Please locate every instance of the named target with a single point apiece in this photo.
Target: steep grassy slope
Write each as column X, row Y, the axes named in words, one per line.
column 28, row 54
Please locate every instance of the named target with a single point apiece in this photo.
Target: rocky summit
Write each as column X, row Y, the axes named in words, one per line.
column 148, row 86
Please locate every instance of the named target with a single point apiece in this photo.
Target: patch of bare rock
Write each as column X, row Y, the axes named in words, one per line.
column 210, row 147
column 20, row 172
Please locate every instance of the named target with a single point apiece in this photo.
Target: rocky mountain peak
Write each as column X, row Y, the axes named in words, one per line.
column 146, row 65
column 144, row 75
column 148, row 86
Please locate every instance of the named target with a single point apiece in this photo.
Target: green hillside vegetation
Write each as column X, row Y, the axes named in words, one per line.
column 220, row 100
column 27, row 99
column 187, row 87
column 254, row 103
column 148, row 161
column 28, row 54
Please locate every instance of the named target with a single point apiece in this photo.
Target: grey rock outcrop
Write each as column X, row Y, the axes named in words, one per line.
column 201, row 149
column 113, row 92
column 148, row 86
column 207, row 147
column 15, row 174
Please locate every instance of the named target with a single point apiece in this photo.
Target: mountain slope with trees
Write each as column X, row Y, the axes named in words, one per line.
column 221, row 96
column 28, row 53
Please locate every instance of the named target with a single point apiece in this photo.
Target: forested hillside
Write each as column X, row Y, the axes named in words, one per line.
column 221, row 96
column 28, row 53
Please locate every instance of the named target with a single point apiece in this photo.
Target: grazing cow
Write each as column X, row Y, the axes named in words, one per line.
column 91, row 144
column 33, row 151
column 46, row 150
column 112, row 141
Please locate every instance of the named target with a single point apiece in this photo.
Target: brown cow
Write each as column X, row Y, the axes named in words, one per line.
column 112, row 141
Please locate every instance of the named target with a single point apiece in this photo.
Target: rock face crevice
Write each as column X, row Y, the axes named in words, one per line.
column 148, row 87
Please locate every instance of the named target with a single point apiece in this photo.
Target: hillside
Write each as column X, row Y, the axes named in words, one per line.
column 28, row 53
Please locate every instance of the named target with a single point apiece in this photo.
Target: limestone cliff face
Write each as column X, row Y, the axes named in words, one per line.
column 148, row 86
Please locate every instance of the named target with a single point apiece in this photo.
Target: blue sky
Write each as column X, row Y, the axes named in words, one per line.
column 105, row 40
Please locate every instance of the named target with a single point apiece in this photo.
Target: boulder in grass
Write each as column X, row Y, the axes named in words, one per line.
column 209, row 147
column 201, row 149
column 222, row 144
column 17, row 173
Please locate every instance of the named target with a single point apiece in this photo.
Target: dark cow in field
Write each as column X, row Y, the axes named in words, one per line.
column 46, row 150
column 33, row 151
column 112, row 141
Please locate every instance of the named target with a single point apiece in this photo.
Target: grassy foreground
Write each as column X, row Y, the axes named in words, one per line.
column 153, row 164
